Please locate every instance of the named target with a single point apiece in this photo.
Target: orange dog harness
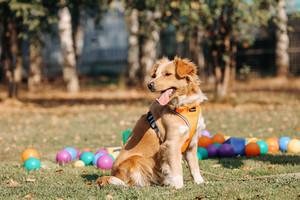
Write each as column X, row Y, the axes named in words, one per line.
column 190, row 116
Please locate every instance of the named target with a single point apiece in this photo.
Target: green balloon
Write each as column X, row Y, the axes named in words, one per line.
column 263, row 146
column 87, row 158
column 202, row 153
column 217, row 144
column 32, row 163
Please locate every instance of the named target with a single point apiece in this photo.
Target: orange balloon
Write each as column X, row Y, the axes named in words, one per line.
column 274, row 138
column 204, row 141
column 252, row 149
column 273, row 148
column 87, row 149
column 272, row 144
column 29, row 153
column 218, row 138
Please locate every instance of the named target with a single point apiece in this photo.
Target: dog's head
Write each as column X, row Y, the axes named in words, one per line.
column 177, row 81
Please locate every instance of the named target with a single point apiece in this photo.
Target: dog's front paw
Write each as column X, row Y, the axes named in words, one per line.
column 102, row 181
column 177, row 182
column 198, row 178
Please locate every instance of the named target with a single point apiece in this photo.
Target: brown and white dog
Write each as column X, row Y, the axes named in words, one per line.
column 153, row 151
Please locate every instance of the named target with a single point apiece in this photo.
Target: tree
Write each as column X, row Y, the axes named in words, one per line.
column 144, row 18
column 68, row 50
column 225, row 23
column 134, row 50
column 11, row 44
column 282, row 40
column 71, row 34
column 23, row 20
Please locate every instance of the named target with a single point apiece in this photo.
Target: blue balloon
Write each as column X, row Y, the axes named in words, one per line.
column 72, row 151
column 96, row 157
column 283, row 142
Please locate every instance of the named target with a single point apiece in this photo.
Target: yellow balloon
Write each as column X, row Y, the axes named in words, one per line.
column 79, row 163
column 293, row 146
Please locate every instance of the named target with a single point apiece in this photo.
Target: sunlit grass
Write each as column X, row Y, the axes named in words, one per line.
column 50, row 129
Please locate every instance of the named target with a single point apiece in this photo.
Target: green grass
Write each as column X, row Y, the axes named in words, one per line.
column 49, row 129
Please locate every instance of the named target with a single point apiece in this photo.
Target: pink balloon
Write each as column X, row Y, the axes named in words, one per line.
column 63, row 156
column 105, row 162
column 102, row 151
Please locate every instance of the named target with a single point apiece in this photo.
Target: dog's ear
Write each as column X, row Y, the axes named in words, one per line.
column 155, row 66
column 184, row 67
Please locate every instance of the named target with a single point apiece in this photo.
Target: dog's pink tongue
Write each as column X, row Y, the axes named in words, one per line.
column 164, row 97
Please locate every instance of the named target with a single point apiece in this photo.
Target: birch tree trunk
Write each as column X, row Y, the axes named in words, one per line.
column 35, row 65
column 282, row 43
column 134, row 50
column 149, row 47
column 69, row 58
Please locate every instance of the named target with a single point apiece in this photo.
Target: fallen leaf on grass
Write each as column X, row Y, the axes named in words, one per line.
column 216, row 166
column 59, row 170
column 88, row 184
column 247, row 168
column 297, row 128
column 271, row 167
column 247, row 176
column 59, row 183
column 30, row 180
column 13, row 183
column 28, row 196
column 200, row 197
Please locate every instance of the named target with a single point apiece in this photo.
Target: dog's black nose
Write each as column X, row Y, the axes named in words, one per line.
column 151, row 86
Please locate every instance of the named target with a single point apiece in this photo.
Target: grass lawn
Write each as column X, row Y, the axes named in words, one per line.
column 95, row 118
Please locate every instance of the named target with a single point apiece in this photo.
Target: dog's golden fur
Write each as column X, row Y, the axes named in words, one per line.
column 144, row 160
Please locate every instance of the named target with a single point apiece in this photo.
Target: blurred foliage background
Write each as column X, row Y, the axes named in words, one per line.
column 42, row 41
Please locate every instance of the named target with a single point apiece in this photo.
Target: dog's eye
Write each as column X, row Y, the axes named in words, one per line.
column 168, row 74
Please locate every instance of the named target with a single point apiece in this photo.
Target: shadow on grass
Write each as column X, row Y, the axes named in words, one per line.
column 90, row 177
column 50, row 103
column 271, row 158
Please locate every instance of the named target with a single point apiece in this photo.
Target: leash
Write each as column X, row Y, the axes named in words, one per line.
column 296, row 175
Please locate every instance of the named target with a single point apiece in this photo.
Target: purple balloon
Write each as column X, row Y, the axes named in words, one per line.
column 102, row 151
column 226, row 150
column 212, row 151
column 205, row 133
column 105, row 162
column 63, row 157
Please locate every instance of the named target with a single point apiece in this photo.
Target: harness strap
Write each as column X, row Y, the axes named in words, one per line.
column 153, row 125
column 190, row 116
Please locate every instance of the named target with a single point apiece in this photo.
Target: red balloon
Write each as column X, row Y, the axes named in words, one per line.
column 252, row 149
column 204, row 141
